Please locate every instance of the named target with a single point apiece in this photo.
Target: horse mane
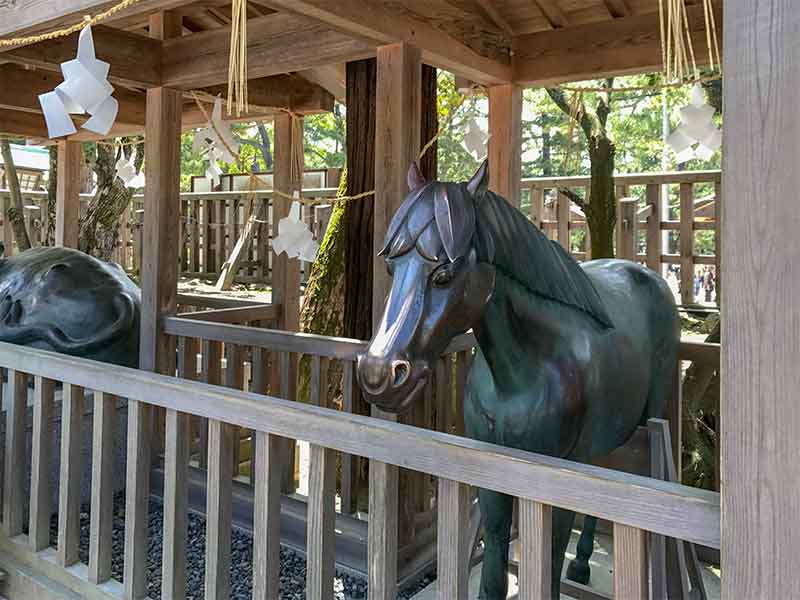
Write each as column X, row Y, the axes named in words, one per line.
column 522, row 252
column 444, row 215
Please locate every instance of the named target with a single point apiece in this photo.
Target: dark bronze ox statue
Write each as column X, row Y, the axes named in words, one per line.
column 571, row 358
column 67, row 301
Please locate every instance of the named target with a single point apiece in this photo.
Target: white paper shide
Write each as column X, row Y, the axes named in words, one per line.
column 294, row 237
column 697, row 136
column 216, row 142
column 85, row 90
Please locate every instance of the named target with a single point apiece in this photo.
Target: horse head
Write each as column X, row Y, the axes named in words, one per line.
column 440, row 287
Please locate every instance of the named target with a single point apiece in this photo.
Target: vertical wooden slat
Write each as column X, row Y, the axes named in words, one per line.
column 176, row 474
column 289, row 446
column 452, row 543
column 630, row 563
column 266, row 517
column 15, row 463
column 218, row 509
column 69, row 501
column 658, row 564
column 102, row 513
column 627, row 246
column 537, row 206
column 321, row 521
column 562, row 216
column 219, row 249
column 687, row 243
column 234, row 378
column 654, row 227
column 212, row 374
column 68, row 203
column 535, row 535
column 349, row 462
column 137, row 493
column 382, row 531
column 41, row 464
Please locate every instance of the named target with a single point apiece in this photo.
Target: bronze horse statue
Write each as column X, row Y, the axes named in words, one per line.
column 66, row 301
column 571, row 358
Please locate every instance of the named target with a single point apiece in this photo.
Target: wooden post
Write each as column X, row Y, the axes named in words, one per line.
column 761, row 328
column 397, row 144
column 628, row 234
column 285, row 277
column 68, row 200
column 505, row 141
column 654, row 228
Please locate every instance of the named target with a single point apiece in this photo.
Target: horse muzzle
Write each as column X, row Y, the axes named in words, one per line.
column 391, row 384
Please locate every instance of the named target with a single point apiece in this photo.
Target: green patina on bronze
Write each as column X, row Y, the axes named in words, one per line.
column 571, row 358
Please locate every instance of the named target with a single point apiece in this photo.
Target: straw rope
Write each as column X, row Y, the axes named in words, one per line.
column 237, row 61
column 75, row 27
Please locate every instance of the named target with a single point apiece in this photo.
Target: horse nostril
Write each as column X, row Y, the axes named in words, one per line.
column 401, row 369
column 373, row 374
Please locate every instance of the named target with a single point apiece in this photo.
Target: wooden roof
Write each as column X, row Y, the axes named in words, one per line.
column 530, row 42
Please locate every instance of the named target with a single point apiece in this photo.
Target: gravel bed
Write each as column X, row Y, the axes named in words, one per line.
column 292, row 571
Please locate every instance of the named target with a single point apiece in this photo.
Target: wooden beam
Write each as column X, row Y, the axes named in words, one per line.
column 21, row 87
column 373, row 22
column 760, row 378
column 291, row 91
column 68, row 189
column 623, row 46
column 23, row 124
column 277, row 44
column 329, row 77
column 505, row 141
column 135, row 60
column 553, row 13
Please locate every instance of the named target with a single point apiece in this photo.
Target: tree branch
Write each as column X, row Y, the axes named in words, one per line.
column 573, row 196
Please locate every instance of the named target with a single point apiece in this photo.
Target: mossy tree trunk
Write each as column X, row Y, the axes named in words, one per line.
column 16, row 210
column 52, row 182
column 99, row 228
column 601, row 208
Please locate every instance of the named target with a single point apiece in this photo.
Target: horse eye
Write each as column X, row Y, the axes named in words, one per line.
column 442, row 276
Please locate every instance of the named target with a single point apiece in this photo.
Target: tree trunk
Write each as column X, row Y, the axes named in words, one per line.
column 16, row 211
column 361, row 85
column 99, row 229
column 52, row 186
column 601, row 211
column 700, row 420
column 429, row 163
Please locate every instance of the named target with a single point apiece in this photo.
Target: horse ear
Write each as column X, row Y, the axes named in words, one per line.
column 480, row 181
column 414, row 178
column 455, row 220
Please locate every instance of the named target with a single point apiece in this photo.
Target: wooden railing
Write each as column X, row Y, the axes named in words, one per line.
column 211, row 223
column 636, row 505
column 265, row 361
column 641, row 223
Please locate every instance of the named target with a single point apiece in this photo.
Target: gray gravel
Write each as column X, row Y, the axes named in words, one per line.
column 292, row 571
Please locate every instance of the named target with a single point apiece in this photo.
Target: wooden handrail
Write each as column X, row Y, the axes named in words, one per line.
column 236, row 315
column 669, row 509
column 667, row 177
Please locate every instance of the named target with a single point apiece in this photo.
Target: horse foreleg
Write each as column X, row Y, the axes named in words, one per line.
column 562, row 528
column 497, row 510
column 578, row 569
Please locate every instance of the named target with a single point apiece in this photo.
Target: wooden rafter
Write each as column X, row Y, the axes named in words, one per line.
column 371, row 21
column 278, row 43
column 553, row 13
column 488, row 7
column 621, row 46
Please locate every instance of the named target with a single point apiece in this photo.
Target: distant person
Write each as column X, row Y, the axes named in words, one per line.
column 708, row 284
column 698, row 282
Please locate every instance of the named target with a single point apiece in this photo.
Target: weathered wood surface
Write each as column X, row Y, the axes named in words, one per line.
column 761, row 330
column 661, row 507
column 630, row 563
column 453, row 545
column 15, row 459
column 505, row 141
column 244, row 314
column 266, row 517
column 41, row 464
column 535, row 535
column 69, row 498
column 70, row 161
column 104, row 423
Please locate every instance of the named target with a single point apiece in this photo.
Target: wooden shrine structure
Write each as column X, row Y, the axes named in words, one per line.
column 159, row 51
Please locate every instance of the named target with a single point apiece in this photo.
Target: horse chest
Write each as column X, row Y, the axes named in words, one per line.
column 544, row 416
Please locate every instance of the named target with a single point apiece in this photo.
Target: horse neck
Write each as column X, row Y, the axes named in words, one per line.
column 518, row 325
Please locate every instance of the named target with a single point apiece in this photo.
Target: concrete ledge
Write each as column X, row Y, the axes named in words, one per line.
column 21, row 583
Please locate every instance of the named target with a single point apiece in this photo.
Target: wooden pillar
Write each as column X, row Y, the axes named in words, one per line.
column 505, row 141
column 159, row 270
column 397, row 144
column 285, row 277
column 760, row 332
column 68, row 200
